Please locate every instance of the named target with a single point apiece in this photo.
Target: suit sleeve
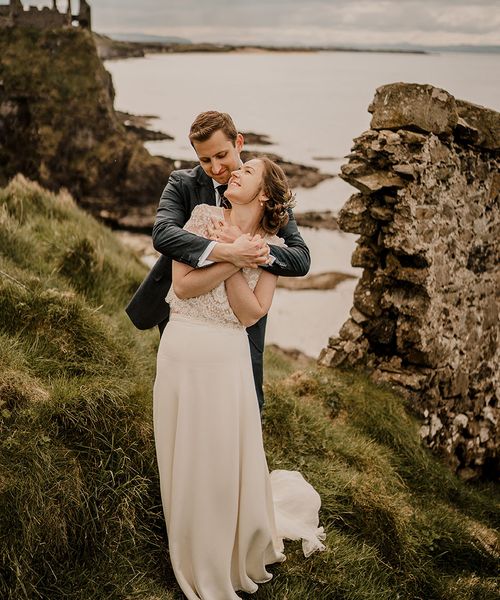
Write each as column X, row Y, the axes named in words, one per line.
column 168, row 236
column 293, row 260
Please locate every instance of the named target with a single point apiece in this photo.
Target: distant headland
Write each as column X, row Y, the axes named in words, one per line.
column 133, row 45
column 110, row 48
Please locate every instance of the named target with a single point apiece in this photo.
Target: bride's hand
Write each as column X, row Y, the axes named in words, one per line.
column 220, row 231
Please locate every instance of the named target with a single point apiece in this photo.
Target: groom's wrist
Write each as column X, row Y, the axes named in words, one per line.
column 220, row 252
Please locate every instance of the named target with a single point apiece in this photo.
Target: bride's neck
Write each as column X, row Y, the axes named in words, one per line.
column 248, row 220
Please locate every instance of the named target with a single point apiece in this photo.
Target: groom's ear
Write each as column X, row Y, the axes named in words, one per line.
column 240, row 140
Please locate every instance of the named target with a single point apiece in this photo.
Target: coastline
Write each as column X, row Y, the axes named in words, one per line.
column 110, row 49
column 320, row 289
column 331, row 281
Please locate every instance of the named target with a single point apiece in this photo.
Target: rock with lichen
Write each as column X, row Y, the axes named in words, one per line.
column 427, row 305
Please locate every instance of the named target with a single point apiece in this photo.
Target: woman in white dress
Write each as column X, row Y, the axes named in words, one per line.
column 226, row 516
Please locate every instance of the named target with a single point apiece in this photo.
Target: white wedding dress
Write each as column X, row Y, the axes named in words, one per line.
column 226, row 516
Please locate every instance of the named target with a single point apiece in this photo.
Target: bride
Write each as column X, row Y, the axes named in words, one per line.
column 226, row 516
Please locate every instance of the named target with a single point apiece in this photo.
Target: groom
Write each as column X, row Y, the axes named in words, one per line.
column 217, row 144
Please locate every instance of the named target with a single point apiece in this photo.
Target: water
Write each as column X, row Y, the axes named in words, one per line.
column 311, row 105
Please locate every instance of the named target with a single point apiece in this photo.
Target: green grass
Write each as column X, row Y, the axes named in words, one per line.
column 400, row 537
column 80, row 514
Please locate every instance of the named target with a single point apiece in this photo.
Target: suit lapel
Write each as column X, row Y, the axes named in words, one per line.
column 206, row 191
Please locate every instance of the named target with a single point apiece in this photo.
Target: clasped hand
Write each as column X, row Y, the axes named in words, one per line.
column 246, row 250
column 223, row 232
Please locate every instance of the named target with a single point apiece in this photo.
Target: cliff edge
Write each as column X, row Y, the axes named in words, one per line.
column 58, row 125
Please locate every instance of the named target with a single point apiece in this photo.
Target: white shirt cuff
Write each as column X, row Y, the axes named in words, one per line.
column 271, row 261
column 203, row 260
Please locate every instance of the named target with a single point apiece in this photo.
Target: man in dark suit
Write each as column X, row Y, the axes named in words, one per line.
column 217, row 145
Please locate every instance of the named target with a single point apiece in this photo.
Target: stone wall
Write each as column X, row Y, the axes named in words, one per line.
column 5, row 16
column 14, row 15
column 44, row 18
column 84, row 16
column 425, row 315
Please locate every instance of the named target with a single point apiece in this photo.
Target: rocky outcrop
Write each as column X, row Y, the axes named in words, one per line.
column 256, row 139
column 298, row 175
column 426, row 309
column 58, row 125
column 318, row 220
column 316, row 281
column 139, row 125
column 109, row 49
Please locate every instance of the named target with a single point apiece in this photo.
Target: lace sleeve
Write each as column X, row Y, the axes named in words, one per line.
column 274, row 240
column 200, row 219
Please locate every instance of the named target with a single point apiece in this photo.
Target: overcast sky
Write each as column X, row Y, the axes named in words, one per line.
column 353, row 22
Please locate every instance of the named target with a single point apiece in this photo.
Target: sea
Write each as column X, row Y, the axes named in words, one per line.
column 311, row 106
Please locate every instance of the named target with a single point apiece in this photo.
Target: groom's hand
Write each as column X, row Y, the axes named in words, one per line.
column 245, row 251
column 250, row 251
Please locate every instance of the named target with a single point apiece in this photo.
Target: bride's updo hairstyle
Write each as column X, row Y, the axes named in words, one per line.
column 280, row 197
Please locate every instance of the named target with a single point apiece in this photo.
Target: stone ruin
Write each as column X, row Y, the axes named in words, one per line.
column 425, row 315
column 14, row 15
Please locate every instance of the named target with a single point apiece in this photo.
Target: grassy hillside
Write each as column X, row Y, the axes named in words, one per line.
column 80, row 515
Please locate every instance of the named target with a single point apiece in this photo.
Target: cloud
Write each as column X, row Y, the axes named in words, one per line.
column 299, row 21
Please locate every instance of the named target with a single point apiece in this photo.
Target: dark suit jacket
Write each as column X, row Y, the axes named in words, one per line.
column 185, row 190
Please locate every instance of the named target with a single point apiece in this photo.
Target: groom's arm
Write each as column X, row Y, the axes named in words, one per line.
column 173, row 213
column 170, row 239
column 294, row 260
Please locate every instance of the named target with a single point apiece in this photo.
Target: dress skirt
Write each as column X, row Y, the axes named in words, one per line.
column 220, row 507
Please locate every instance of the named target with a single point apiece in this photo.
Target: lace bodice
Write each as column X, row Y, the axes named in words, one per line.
column 214, row 305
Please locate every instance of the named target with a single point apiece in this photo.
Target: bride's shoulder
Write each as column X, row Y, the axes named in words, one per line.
column 201, row 215
column 205, row 211
column 204, row 208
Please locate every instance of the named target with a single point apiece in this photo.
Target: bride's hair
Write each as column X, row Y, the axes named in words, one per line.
column 280, row 197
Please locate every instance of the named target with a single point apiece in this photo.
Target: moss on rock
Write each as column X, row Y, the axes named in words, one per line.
column 59, row 127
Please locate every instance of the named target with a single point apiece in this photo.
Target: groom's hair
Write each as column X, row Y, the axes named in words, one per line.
column 207, row 123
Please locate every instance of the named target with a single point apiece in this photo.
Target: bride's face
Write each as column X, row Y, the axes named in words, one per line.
column 245, row 184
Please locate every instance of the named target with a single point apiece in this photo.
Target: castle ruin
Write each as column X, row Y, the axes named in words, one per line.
column 14, row 15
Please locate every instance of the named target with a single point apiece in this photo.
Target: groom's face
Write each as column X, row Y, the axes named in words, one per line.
column 218, row 156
